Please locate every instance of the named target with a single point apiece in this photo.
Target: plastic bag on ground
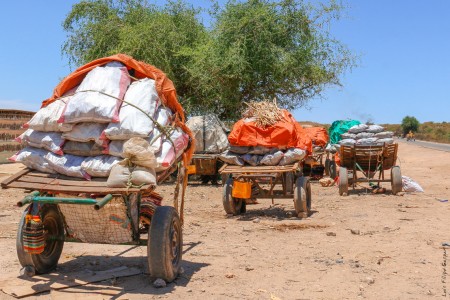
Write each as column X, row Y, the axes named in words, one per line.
column 121, row 176
column 168, row 154
column 69, row 165
column 292, row 155
column 51, row 141
column 97, row 97
column 272, row 159
column 139, row 152
column 46, row 118
column 231, row 158
column 134, row 122
column 210, row 134
column 33, row 158
column 99, row 166
column 82, row 149
column 85, row 132
column 410, row 185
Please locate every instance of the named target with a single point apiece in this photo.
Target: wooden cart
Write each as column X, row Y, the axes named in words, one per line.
column 265, row 182
column 371, row 162
column 76, row 210
column 206, row 167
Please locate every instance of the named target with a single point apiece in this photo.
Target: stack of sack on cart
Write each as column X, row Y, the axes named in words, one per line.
column 352, row 132
column 266, row 135
column 104, row 122
column 319, row 137
column 210, row 134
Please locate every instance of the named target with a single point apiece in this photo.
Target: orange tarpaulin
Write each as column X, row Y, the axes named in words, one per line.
column 164, row 87
column 318, row 135
column 286, row 133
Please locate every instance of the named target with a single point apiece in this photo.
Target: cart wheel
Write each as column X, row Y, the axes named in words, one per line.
column 145, row 216
column 396, row 180
column 327, row 167
column 343, row 181
column 54, row 241
column 165, row 244
column 332, row 169
column 232, row 205
column 302, row 197
column 224, row 178
column 289, row 181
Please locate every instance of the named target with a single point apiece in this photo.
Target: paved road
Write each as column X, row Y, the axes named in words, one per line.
column 437, row 146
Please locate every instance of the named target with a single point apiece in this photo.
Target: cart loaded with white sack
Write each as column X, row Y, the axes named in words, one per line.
column 95, row 153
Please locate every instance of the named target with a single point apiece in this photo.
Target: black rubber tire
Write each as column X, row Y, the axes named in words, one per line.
column 302, row 197
column 54, row 228
column 234, row 206
column 343, row 181
column 289, row 181
column 332, row 169
column 396, row 180
column 165, row 244
column 145, row 216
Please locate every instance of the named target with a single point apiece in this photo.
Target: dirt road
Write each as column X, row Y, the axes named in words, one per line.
column 358, row 246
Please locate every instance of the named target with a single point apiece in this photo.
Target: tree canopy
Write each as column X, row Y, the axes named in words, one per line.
column 410, row 124
column 251, row 50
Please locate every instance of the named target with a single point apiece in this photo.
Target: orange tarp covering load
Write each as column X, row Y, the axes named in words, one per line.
column 318, row 135
column 164, row 87
column 286, row 133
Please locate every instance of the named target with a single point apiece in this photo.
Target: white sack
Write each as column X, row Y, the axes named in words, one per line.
column 99, row 166
column 120, row 176
column 92, row 101
column 410, row 185
column 86, row 132
column 292, row 155
column 139, row 152
column 209, row 134
column 168, row 154
column 51, row 141
column 163, row 117
column 347, row 142
column 260, row 150
column 385, row 141
column 231, row 158
column 375, row 128
column 384, row 135
column 367, row 142
column 82, row 149
column 69, row 165
column 240, row 149
column 46, row 119
column 348, row 135
column 272, row 159
column 358, row 128
column 115, row 148
column 364, row 135
column 133, row 122
column 33, row 158
column 252, row 159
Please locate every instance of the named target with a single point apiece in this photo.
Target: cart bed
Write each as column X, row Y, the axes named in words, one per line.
column 57, row 183
column 228, row 169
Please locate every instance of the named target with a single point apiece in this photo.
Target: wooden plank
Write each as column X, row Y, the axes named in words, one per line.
column 14, row 177
column 259, row 169
column 73, row 189
column 56, row 181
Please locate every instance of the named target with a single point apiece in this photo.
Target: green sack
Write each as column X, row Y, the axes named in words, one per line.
column 339, row 127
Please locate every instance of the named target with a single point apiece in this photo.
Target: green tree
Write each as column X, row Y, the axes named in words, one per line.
column 251, row 50
column 410, row 124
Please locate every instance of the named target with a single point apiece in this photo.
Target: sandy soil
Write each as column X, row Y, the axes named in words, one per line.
column 358, row 246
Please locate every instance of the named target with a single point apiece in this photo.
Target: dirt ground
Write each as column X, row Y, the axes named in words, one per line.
column 374, row 246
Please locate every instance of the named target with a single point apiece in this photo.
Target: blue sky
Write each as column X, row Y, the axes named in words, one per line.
column 404, row 65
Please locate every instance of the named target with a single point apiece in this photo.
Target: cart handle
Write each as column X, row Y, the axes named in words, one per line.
column 102, row 202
